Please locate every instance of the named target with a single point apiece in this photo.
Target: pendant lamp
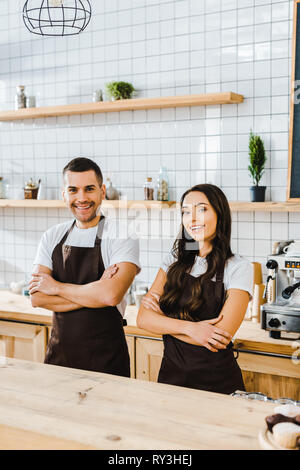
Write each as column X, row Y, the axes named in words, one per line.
column 56, row 17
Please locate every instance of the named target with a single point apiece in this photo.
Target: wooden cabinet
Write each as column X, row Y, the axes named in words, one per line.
column 149, row 354
column 131, row 349
column 23, row 341
column 276, row 377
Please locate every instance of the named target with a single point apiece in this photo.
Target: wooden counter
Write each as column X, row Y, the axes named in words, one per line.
column 249, row 337
column 45, row 406
column 268, row 365
column 18, row 308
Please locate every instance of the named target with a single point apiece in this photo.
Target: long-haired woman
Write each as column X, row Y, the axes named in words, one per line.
column 199, row 297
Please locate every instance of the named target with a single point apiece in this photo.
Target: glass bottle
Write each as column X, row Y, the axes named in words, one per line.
column 148, row 190
column 1, row 188
column 163, row 185
column 20, row 97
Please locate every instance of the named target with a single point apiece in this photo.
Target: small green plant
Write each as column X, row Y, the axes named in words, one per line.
column 119, row 90
column 257, row 157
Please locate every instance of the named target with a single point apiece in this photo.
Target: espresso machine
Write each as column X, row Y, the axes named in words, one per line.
column 281, row 312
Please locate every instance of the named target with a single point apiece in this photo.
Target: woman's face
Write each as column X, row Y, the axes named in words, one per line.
column 198, row 217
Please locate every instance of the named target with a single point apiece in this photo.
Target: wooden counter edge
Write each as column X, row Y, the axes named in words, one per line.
column 36, row 318
column 13, row 438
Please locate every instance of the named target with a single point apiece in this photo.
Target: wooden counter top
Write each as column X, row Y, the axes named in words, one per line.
column 18, row 307
column 58, row 407
column 250, row 336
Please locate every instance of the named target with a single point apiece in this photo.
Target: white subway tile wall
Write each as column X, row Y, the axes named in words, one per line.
column 164, row 47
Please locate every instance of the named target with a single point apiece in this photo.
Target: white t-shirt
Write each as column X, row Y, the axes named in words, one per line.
column 116, row 245
column 238, row 271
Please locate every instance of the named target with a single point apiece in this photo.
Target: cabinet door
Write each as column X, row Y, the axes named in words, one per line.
column 273, row 376
column 23, row 341
column 149, row 354
column 131, row 348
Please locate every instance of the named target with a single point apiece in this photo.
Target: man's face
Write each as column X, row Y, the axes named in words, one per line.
column 83, row 195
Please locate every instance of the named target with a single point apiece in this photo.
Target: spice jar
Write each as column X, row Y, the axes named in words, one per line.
column 20, row 97
column 31, row 190
column 148, row 190
column 162, row 185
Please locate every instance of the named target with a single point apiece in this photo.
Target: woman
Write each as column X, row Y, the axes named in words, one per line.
column 199, row 297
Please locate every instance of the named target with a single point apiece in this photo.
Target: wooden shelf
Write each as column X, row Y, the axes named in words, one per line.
column 268, row 206
column 236, row 206
column 58, row 204
column 123, row 105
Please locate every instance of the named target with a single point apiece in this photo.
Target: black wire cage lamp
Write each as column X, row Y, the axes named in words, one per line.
column 56, row 17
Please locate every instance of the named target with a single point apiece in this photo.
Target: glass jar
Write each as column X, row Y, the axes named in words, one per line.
column 31, row 190
column 148, row 190
column 20, row 97
column 163, row 185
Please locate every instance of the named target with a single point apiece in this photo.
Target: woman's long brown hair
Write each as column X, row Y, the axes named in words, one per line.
column 185, row 250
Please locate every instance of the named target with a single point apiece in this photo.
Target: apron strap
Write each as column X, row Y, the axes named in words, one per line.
column 67, row 233
column 67, row 248
column 100, row 230
column 220, row 292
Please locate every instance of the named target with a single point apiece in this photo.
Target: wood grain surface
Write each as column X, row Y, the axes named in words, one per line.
column 109, row 412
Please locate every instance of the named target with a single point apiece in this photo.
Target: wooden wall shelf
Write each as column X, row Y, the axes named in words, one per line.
column 236, row 206
column 268, row 206
column 58, row 204
column 123, row 105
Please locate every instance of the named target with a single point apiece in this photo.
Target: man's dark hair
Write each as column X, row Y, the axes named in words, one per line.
column 81, row 164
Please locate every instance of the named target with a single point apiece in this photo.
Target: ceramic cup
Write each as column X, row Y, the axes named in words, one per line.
column 293, row 247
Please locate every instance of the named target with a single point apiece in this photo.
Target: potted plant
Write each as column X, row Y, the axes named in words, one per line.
column 257, row 158
column 119, row 90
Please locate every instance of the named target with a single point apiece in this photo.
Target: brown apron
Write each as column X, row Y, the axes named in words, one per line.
column 195, row 366
column 88, row 338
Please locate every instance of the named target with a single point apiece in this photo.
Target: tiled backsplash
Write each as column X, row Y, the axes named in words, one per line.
column 164, row 47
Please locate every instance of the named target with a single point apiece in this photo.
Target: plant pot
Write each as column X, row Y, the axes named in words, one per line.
column 257, row 193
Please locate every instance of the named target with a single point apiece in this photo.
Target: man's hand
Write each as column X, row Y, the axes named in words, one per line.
column 44, row 283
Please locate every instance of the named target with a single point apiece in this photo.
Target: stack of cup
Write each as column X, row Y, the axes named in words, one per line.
column 258, row 300
column 257, row 280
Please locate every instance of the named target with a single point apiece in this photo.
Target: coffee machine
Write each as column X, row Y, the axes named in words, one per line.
column 281, row 312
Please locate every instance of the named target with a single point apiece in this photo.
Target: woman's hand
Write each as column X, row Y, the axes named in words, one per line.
column 151, row 301
column 206, row 334
column 109, row 272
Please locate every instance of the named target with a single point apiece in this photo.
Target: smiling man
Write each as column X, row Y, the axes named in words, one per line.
column 82, row 272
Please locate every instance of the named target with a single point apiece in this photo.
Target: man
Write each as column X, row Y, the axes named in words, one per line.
column 71, row 280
